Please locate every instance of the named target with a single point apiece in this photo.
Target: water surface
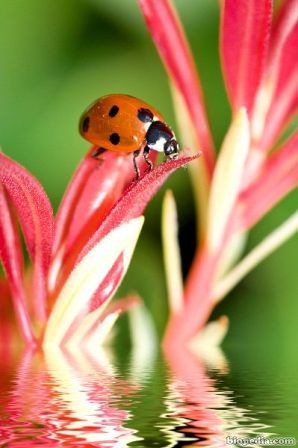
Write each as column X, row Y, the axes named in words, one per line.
column 86, row 399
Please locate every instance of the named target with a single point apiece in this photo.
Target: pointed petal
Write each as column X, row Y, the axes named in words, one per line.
column 200, row 177
column 12, row 260
column 285, row 95
column 94, row 189
column 134, row 200
column 169, row 38
column 206, row 344
column 101, row 332
column 73, row 303
column 36, row 218
column 277, row 90
column 278, row 177
column 171, row 253
column 227, row 178
column 93, row 331
column 283, row 24
column 109, row 284
column 245, row 30
column 96, row 327
column 256, row 256
column 70, row 199
column 144, row 342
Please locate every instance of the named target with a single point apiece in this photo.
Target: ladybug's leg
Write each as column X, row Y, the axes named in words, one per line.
column 135, row 155
column 97, row 152
column 146, row 157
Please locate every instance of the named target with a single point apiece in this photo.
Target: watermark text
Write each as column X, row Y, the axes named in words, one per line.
column 261, row 441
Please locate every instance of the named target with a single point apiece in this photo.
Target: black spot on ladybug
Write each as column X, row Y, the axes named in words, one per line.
column 145, row 115
column 86, row 123
column 114, row 111
column 114, row 138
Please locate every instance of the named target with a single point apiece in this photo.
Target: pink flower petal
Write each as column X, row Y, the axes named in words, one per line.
column 92, row 184
column 285, row 96
column 283, row 23
column 278, row 177
column 134, row 200
column 130, row 205
column 36, row 218
column 109, row 285
column 4, row 286
column 120, row 306
column 12, row 260
column 96, row 186
column 245, row 31
column 169, row 38
column 72, row 305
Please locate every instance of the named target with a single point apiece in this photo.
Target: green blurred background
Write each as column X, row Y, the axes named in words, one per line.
column 57, row 57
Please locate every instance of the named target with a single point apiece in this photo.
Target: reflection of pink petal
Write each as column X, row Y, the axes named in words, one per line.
column 278, row 177
column 134, row 200
column 36, row 218
column 198, row 391
column 244, row 42
column 168, row 35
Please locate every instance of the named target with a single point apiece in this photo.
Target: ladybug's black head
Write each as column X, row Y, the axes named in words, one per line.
column 171, row 149
column 160, row 137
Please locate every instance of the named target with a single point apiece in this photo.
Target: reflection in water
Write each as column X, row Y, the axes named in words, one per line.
column 209, row 413
column 67, row 399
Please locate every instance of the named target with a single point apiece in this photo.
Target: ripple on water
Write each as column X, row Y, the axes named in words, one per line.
column 63, row 400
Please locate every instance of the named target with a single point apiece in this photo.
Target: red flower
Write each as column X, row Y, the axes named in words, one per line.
column 78, row 258
column 260, row 68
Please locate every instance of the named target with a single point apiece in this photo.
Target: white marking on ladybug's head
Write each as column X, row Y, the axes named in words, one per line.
column 158, row 145
column 158, row 135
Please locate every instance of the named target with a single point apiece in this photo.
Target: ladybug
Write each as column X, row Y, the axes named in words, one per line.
column 125, row 124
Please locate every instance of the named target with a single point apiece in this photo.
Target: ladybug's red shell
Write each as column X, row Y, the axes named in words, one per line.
column 117, row 122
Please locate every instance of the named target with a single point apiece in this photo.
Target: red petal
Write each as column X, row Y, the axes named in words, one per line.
column 278, row 177
column 283, row 23
column 92, row 184
column 36, row 218
column 119, row 306
column 134, row 200
column 95, row 188
column 285, row 96
column 12, row 260
column 170, row 40
column 245, row 31
column 109, row 285
column 4, row 286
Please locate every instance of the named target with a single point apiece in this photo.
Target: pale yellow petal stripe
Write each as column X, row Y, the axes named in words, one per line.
column 87, row 276
column 197, row 168
column 259, row 253
column 227, row 178
column 171, row 253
